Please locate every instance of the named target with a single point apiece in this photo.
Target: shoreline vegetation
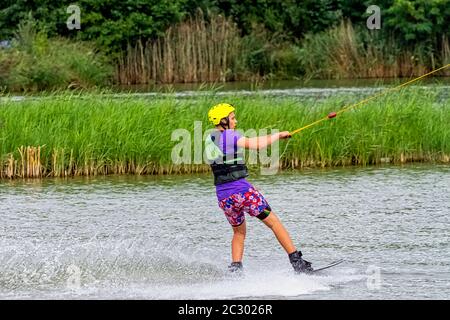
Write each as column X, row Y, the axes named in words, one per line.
column 197, row 51
column 88, row 134
column 212, row 49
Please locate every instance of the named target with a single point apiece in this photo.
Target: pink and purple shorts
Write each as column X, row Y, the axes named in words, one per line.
column 250, row 201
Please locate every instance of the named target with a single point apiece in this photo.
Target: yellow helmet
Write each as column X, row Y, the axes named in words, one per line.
column 219, row 111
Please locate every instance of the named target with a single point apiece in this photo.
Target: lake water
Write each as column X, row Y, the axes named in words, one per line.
column 127, row 237
column 312, row 89
column 282, row 85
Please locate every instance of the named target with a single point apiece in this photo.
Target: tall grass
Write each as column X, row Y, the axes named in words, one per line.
column 70, row 135
column 207, row 49
column 196, row 50
column 343, row 52
column 210, row 50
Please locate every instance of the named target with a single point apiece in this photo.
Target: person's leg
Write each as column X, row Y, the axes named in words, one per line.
column 274, row 223
column 271, row 220
column 232, row 209
column 256, row 205
column 237, row 243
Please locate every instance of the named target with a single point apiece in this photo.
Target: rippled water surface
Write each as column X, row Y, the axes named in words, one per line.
column 165, row 238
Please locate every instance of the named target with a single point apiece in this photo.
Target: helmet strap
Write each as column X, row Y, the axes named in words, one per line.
column 227, row 123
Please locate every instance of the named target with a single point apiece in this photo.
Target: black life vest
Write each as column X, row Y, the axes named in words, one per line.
column 225, row 167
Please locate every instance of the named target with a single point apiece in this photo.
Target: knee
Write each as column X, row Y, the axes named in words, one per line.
column 240, row 231
column 240, row 234
column 269, row 224
column 271, row 220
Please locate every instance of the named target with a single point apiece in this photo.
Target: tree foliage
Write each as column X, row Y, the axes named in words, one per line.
column 113, row 24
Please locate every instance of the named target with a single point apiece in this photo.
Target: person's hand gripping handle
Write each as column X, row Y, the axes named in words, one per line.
column 284, row 135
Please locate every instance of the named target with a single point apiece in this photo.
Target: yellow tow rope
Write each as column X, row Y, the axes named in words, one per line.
column 334, row 114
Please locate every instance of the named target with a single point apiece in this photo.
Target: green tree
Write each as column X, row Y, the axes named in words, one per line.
column 116, row 23
column 418, row 21
column 410, row 22
column 110, row 23
column 292, row 18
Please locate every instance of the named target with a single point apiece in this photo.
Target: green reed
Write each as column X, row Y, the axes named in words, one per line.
column 93, row 134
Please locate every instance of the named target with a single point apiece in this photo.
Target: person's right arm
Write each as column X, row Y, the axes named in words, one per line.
column 262, row 141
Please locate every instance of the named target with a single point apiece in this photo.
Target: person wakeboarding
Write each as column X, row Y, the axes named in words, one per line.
column 236, row 196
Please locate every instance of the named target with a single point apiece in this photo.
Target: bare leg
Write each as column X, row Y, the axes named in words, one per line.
column 237, row 244
column 274, row 223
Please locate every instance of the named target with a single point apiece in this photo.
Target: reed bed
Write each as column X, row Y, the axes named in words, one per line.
column 77, row 135
column 345, row 52
column 196, row 50
column 212, row 50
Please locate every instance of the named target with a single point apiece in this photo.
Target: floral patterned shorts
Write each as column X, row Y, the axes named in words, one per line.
column 250, row 201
